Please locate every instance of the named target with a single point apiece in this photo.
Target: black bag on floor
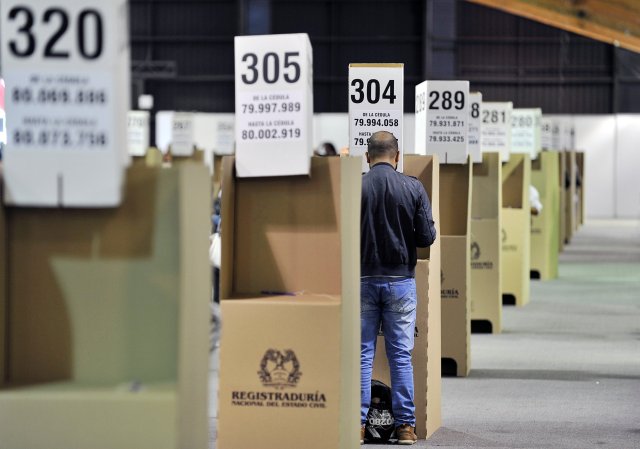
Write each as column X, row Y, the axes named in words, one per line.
column 380, row 423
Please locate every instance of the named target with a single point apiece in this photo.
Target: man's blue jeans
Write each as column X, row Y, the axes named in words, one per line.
column 392, row 302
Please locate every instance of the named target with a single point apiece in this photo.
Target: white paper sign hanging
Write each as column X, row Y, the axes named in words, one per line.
column 66, row 68
column 376, row 103
column 138, row 132
column 182, row 133
column 274, row 105
column 225, row 134
column 496, row 128
column 442, row 120
column 475, row 126
column 525, row 131
column 557, row 134
column 546, row 140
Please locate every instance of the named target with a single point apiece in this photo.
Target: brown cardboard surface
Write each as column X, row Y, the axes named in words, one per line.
column 427, row 349
column 516, row 229
column 434, row 308
column 291, row 234
column 544, row 226
column 486, row 296
column 570, row 194
column 455, row 213
column 312, row 331
column 110, row 287
column 485, row 253
column 562, row 216
column 580, row 156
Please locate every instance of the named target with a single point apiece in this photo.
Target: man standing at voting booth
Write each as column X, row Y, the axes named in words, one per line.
column 396, row 218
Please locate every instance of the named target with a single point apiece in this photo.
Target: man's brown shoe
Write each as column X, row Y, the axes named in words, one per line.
column 406, row 434
column 361, row 434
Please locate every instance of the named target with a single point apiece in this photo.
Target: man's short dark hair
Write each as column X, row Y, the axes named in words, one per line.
column 382, row 144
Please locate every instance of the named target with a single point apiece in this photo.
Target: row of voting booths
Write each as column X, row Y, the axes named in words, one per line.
column 120, row 278
column 104, row 273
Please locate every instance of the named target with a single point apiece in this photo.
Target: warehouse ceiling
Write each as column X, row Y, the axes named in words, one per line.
column 615, row 22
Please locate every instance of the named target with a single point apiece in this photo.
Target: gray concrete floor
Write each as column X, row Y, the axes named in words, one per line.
column 565, row 372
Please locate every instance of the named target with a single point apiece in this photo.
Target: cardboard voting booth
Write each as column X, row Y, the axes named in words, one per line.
column 544, row 226
column 290, row 295
column 516, row 230
column 455, row 214
column 427, row 348
column 580, row 155
column 570, row 196
column 106, row 319
column 485, row 249
column 562, row 216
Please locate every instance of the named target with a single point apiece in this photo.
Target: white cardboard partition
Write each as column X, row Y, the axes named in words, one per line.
column 496, row 128
column 475, row 126
column 68, row 97
column 442, row 120
column 175, row 131
column 274, row 105
column 376, row 103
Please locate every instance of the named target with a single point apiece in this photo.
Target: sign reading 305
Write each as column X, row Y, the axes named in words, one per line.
column 376, row 103
column 274, row 104
column 66, row 67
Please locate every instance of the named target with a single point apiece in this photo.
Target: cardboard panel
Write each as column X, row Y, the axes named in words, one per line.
column 309, row 227
column 562, row 216
column 455, row 213
column 570, row 196
column 516, row 229
column 427, row 348
column 455, row 291
column 118, row 311
column 279, row 235
column 307, row 326
column 544, row 226
column 580, row 162
column 486, row 295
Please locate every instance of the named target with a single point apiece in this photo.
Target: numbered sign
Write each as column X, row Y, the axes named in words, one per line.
column 475, row 126
column 274, row 105
column 225, row 134
column 66, row 68
column 138, row 132
column 568, row 140
column 557, row 134
column 546, row 125
column 496, row 128
column 525, row 131
column 376, row 103
column 182, row 134
column 442, row 120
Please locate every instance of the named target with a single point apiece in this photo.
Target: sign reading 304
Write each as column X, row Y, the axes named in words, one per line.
column 274, row 104
column 376, row 103
column 66, row 67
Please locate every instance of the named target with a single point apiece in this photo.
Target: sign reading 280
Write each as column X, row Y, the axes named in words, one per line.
column 87, row 27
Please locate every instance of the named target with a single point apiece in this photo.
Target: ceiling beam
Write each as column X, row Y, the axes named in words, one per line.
column 615, row 22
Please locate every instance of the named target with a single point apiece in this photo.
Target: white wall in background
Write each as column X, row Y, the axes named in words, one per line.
column 596, row 136
column 333, row 128
column 628, row 166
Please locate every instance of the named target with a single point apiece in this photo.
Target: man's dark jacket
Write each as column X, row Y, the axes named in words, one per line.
column 395, row 219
